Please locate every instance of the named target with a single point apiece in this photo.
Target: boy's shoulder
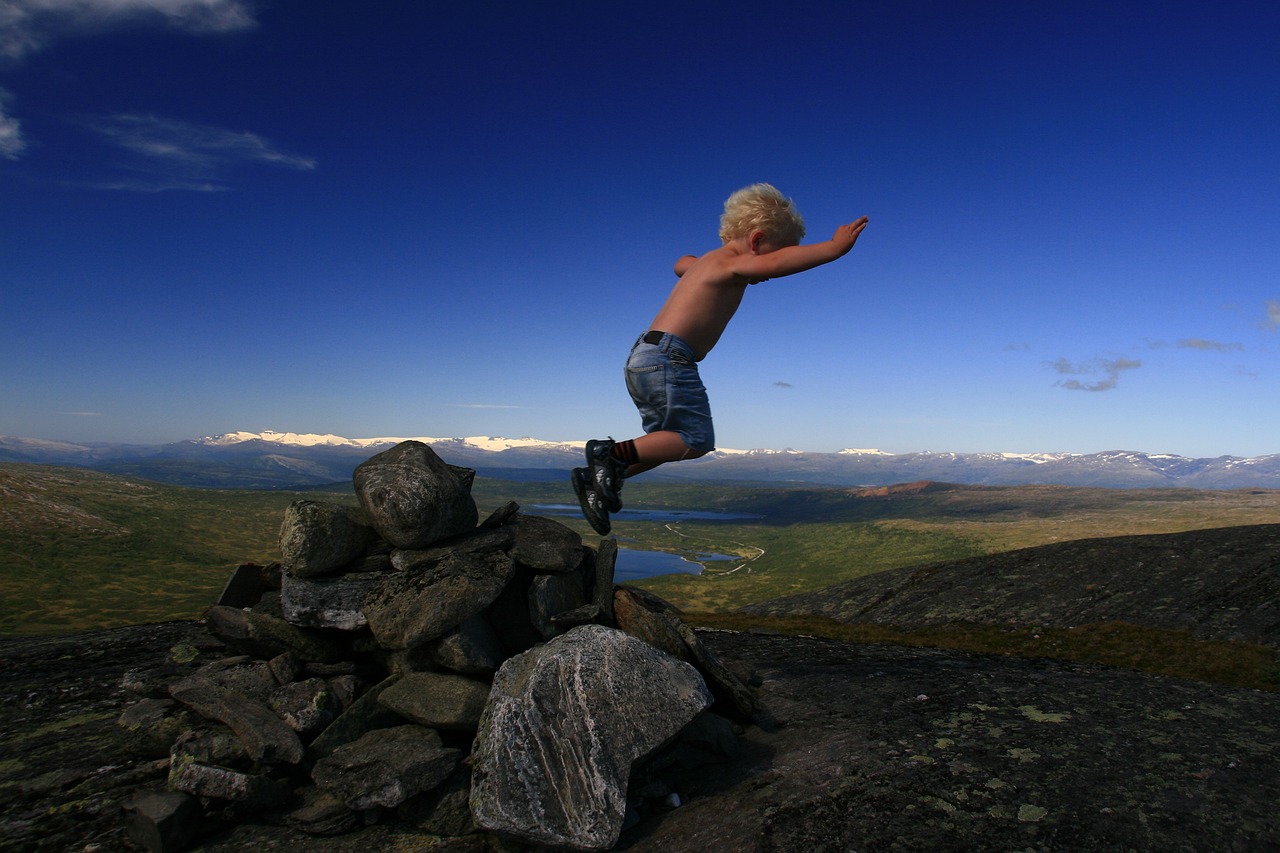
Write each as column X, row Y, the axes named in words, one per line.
column 717, row 263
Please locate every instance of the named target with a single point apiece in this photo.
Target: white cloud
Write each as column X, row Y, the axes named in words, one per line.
column 1108, row 369
column 26, row 26
column 171, row 154
column 11, row 142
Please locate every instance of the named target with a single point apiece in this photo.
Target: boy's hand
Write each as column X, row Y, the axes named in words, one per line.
column 847, row 235
column 683, row 264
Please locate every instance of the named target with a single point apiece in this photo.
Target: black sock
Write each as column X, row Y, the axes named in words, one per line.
column 625, row 451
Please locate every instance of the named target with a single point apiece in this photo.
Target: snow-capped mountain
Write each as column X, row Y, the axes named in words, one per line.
column 476, row 442
column 270, row 459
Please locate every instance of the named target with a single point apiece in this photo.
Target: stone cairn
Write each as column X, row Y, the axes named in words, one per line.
column 408, row 664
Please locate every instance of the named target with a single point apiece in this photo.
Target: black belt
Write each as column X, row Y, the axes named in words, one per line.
column 653, row 337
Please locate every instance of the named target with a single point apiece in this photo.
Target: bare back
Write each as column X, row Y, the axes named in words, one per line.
column 703, row 301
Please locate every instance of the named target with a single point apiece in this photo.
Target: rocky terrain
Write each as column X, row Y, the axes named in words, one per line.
column 837, row 747
column 883, row 748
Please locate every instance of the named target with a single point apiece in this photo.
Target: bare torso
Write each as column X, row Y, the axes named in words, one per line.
column 710, row 288
column 703, row 302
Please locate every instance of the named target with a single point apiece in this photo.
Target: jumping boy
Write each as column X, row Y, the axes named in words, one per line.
column 761, row 231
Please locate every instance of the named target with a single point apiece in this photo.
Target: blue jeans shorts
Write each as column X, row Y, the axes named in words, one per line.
column 664, row 384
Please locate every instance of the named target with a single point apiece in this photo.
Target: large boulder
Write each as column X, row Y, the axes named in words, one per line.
column 545, row 544
column 317, row 537
column 410, row 608
column 615, row 698
column 412, row 497
column 333, row 602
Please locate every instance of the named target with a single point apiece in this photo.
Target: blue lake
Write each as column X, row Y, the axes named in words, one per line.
column 650, row 514
column 634, row 564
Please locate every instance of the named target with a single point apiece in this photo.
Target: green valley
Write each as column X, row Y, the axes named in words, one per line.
column 81, row 549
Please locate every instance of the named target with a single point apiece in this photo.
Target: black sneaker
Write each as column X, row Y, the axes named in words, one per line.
column 606, row 473
column 592, row 508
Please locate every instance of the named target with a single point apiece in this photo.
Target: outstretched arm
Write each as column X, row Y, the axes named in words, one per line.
column 793, row 259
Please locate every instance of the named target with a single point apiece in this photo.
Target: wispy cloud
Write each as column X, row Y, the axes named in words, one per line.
column 171, row 154
column 27, row 26
column 1209, row 346
column 11, row 142
column 781, row 384
column 1273, row 315
column 484, row 406
column 1108, row 370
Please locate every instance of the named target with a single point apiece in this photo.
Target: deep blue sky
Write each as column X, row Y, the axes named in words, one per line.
column 406, row 218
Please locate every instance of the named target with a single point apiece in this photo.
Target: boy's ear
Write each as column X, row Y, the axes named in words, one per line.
column 755, row 240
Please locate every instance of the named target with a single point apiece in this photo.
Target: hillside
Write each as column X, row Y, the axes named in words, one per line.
column 80, row 548
column 1221, row 584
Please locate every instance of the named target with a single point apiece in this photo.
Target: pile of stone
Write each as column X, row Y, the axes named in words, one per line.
column 407, row 663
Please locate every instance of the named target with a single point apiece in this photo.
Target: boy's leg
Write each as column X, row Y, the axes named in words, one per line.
column 658, row 448
column 592, row 507
column 614, row 461
column 608, row 467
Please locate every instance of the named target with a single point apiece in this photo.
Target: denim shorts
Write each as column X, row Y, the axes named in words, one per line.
column 665, row 386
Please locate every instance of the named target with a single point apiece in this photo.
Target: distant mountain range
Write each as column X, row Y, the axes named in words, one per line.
column 291, row 460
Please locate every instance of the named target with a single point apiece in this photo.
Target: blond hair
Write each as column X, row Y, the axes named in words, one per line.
column 763, row 207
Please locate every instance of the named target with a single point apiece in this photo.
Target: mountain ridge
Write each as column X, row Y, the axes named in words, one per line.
column 270, row 459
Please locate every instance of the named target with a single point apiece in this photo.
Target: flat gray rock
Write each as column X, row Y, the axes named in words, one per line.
column 410, row 608
column 333, row 602
column 265, row 736
column 386, row 767
column 439, row 700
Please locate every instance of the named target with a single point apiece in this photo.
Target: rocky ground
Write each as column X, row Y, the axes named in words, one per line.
column 884, row 748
